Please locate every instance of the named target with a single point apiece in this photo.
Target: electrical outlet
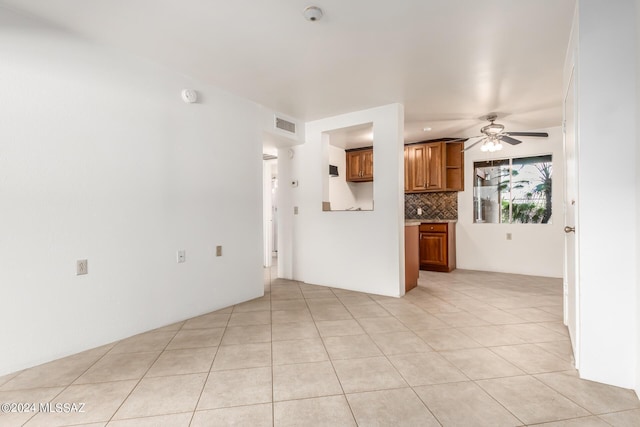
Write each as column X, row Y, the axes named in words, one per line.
column 82, row 267
column 295, row 210
column 218, row 250
column 419, row 211
column 508, row 236
column 182, row 256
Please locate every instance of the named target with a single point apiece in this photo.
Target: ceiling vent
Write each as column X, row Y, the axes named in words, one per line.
column 285, row 125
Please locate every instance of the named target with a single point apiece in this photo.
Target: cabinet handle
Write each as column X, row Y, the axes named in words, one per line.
column 431, row 228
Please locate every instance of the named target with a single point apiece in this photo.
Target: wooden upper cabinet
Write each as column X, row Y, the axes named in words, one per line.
column 454, row 162
column 367, row 165
column 360, row 165
column 407, row 178
column 353, row 165
column 419, row 162
column 435, row 166
column 427, row 167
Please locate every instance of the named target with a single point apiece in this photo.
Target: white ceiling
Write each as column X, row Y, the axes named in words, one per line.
column 358, row 136
column 448, row 61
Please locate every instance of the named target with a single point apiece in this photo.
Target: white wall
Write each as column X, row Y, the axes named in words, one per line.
column 362, row 251
column 363, row 192
column 608, row 192
column 347, row 195
column 535, row 249
column 637, row 262
column 274, row 138
column 339, row 194
column 101, row 159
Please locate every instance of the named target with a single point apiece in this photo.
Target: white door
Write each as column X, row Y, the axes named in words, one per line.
column 571, row 283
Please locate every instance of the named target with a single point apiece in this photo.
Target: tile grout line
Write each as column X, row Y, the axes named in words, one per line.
column 273, row 397
column 405, row 379
column 526, row 373
column 204, row 384
column 390, row 362
column 344, row 395
column 148, row 369
column 65, row 387
column 475, row 381
column 143, row 375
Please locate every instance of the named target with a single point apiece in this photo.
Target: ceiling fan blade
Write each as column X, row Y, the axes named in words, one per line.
column 463, row 139
column 474, row 144
column 542, row 134
column 510, row 140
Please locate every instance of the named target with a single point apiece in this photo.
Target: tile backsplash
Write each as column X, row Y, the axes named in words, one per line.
column 442, row 205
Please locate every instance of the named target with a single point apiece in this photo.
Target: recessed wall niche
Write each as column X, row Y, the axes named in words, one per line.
column 347, row 168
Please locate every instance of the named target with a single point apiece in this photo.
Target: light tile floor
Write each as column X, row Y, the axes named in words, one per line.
column 463, row 349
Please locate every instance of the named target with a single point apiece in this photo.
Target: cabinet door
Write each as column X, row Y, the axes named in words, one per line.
column 418, row 159
column 433, row 248
column 367, row 165
column 360, row 165
column 354, row 166
column 434, row 166
column 407, row 162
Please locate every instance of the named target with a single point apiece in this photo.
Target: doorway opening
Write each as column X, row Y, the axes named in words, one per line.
column 270, row 215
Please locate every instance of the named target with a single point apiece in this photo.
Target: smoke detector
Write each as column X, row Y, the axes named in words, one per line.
column 312, row 13
column 189, row 96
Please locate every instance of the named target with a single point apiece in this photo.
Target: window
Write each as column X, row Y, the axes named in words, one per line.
column 512, row 191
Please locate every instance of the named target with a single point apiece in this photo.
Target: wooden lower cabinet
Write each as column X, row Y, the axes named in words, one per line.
column 411, row 256
column 438, row 246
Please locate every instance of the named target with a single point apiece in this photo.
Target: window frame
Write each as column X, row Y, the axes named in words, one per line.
column 510, row 165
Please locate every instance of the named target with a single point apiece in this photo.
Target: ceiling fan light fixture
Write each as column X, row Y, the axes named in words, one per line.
column 491, row 145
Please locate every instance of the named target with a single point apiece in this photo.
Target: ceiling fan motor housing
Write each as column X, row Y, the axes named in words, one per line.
column 492, row 129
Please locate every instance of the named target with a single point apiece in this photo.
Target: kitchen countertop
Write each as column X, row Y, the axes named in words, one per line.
column 418, row 221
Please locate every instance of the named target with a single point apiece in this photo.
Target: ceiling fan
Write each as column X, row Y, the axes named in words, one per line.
column 493, row 135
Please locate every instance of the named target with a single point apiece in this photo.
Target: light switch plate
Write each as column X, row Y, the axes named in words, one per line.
column 182, row 256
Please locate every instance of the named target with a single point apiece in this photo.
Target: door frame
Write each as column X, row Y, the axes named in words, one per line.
column 571, row 165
